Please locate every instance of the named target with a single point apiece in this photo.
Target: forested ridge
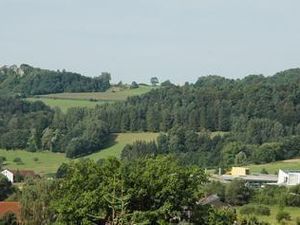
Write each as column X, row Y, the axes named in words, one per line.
column 27, row 80
column 259, row 118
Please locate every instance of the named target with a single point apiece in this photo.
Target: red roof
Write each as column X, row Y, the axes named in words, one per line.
column 10, row 207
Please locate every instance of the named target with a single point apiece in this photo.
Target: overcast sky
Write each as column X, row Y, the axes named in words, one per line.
column 178, row 40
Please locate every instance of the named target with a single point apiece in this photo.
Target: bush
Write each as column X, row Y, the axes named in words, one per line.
column 247, row 210
column 35, row 159
column 264, row 171
column 281, row 215
column 297, row 220
column 252, row 221
column 262, row 210
column 257, row 210
column 18, row 161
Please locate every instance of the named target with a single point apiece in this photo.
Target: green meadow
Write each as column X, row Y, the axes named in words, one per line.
column 64, row 101
column 47, row 162
column 293, row 211
column 272, row 168
column 65, row 104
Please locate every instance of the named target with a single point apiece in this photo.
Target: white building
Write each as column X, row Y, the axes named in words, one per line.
column 9, row 175
column 288, row 177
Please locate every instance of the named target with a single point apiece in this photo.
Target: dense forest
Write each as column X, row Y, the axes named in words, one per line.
column 26, row 80
column 214, row 122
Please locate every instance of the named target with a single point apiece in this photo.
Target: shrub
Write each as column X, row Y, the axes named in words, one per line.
column 247, row 210
column 262, row 210
column 264, row 171
column 258, row 210
column 281, row 215
column 18, row 161
column 297, row 220
column 35, row 159
column 252, row 221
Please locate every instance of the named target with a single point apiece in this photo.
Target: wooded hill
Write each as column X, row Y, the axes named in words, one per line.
column 259, row 118
column 27, row 80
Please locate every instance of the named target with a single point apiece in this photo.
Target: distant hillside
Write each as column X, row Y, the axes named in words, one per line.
column 27, row 80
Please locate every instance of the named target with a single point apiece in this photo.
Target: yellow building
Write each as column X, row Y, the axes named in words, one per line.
column 240, row 171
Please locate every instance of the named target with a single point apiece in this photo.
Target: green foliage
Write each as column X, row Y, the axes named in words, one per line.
column 252, row 221
column 9, row 219
column 154, row 81
column 134, row 85
column 6, row 188
column 297, row 220
column 259, row 128
column 18, row 160
column 256, row 210
column 139, row 149
column 264, row 171
column 221, row 217
column 215, row 187
column 237, row 193
column 35, row 201
column 282, row 215
column 271, row 195
column 28, row 80
column 150, row 190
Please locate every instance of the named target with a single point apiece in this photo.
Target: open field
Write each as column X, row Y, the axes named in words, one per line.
column 65, row 104
column 119, row 143
column 64, row 101
column 293, row 211
column 273, row 167
column 48, row 162
column 113, row 94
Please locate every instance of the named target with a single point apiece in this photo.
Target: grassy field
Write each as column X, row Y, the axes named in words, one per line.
column 48, row 162
column 89, row 99
column 273, row 168
column 65, row 104
column 293, row 211
column 113, row 94
column 119, row 143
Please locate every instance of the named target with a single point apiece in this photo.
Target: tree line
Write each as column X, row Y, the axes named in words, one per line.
column 206, row 149
column 27, row 80
column 33, row 126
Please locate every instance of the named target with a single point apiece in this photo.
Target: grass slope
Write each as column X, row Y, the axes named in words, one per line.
column 65, row 104
column 293, row 211
column 119, row 143
column 69, row 100
column 48, row 162
column 293, row 164
column 113, row 94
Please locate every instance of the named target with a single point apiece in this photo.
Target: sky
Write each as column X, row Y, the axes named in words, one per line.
column 179, row 40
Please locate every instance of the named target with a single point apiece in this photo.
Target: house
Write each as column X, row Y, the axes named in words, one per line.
column 213, row 200
column 18, row 175
column 9, row 175
column 288, row 177
column 240, row 171
column 10, row 207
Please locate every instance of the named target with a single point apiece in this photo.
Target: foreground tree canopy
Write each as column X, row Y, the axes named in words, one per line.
column 146, row 191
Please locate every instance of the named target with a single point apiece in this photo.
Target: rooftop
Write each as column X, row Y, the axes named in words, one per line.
column 6, row 207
